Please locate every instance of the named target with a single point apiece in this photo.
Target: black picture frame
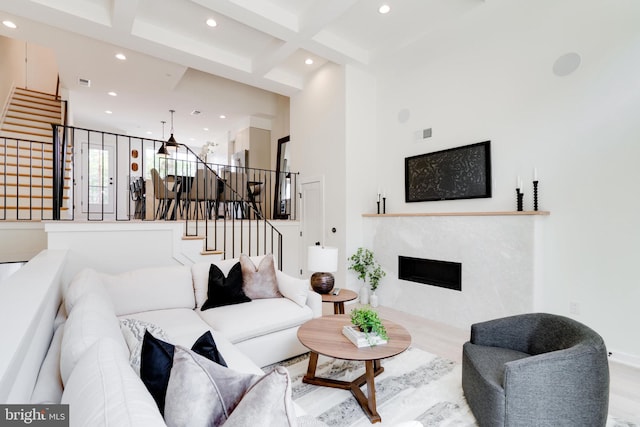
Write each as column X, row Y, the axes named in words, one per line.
column 456, row 173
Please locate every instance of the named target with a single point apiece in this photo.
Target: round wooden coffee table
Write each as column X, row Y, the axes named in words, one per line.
column 323, row 335
column 339, row 300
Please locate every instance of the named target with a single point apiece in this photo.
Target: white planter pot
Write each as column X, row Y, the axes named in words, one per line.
column 364, row 295
column 373, row 299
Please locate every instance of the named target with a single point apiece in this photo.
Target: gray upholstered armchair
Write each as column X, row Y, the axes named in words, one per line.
column 536, row 370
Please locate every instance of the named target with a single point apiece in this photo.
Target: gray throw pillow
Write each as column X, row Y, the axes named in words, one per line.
column 259, row 282
column 267, row 403
column 201, row 392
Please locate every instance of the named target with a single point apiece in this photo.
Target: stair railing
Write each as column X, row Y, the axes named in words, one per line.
column 235, row 221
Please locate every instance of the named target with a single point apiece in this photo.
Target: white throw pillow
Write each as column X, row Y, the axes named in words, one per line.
column 133, row 331
column 297, row 290
column 85, row 281
column 103, row 391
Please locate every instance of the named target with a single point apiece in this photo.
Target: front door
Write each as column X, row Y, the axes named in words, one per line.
column 312, row 213
column 97, row 176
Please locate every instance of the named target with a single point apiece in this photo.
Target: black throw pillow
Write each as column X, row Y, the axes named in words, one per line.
column 224, row 290
column 206, row 346
column 156, row 361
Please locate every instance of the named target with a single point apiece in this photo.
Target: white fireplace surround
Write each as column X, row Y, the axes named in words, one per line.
column 499, row 255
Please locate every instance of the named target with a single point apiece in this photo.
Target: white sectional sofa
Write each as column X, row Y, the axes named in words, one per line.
column 88, row 362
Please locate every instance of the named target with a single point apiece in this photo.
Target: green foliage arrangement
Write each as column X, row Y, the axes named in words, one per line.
column 368, row 321
column 368, row 269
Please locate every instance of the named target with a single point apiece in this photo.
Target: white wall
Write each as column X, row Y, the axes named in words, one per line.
column 363, row 178
column 492, row 80
column 318, row 148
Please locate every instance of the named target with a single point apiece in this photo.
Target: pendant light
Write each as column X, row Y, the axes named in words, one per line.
column 172, row 141
column 163, row 148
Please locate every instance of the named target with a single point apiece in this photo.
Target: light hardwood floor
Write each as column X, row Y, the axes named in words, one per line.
column 446, row 341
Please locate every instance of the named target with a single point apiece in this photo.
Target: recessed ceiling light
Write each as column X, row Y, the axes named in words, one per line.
column 385, row 8
column 308, row 61
column 149, row 132
column 205, row 129
column 121, row 56
column 222, row 116
column 108, row 111
column 112, row 93
column 211, row 22
column 9, row 24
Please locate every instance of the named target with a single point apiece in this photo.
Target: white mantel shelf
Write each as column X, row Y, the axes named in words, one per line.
column 505, row 213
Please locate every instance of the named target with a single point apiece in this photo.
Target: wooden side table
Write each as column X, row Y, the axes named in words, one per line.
column 339, row 300
column 323, row 335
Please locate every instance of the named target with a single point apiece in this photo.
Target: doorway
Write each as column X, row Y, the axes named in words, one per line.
column 97, row 176
column 312, row 213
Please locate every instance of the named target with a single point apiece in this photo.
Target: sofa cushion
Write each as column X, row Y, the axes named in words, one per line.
column 91, row 319
column 256, row 318
column 259, row 281
column 202, row 393
column 104, row 391
column 489, row 362
column 150, row 289
column 224, row 289
column 268, row 402
column 183, row 327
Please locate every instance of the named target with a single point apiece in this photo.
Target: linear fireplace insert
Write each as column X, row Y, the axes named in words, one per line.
column 444, row 274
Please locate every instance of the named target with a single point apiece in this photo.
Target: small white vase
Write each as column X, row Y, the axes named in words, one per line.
column 373, row 299
column 364, row 295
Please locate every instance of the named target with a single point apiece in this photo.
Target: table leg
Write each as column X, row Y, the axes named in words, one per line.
column 338, row 307
column 371, row 391
column 311, row 369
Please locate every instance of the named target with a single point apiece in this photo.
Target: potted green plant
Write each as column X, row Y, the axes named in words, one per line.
column 369, row 322
column 368, row 269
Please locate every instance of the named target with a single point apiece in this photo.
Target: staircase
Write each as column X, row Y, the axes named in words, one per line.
column 26, row 157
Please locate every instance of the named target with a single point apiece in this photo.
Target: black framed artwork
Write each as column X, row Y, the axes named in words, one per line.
column 456, row 173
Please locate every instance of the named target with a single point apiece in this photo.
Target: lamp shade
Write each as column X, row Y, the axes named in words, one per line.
column 322, row 259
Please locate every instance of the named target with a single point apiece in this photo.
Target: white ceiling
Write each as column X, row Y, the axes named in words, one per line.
column 239, row 68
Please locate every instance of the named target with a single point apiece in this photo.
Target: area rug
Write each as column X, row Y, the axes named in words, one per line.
column 415, row 385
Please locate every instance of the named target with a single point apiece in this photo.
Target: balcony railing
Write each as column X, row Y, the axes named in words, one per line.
column 100, row 176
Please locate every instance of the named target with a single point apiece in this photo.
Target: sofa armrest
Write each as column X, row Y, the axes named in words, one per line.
column 314, row 301
column 556, row 386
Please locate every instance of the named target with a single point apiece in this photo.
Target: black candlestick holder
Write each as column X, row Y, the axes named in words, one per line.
column 384, row 205
column 520, row 197
column 378, row 207
column 535, row 195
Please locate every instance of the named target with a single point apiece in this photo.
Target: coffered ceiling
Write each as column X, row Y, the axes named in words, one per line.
column 238, row 68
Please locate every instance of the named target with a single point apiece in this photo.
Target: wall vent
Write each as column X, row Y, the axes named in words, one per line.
column 84, row 82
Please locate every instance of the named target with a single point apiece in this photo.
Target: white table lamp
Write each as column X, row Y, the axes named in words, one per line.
column 323, row 260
